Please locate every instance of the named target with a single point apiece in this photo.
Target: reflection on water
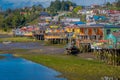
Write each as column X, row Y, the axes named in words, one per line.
column 12, row 68
column 109, row 78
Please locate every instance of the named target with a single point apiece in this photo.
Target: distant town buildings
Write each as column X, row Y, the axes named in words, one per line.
column 100, row 26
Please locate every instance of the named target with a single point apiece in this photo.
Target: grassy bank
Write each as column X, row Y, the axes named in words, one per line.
column 6, row 32
column 18, row 39
column 73, row 67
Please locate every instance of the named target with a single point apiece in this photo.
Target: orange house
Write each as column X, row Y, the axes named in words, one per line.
column 87, row 32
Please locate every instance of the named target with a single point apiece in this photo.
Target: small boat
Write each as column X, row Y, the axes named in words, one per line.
column 6, row 42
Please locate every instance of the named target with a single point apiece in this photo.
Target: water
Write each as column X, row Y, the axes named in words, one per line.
column 12, row 68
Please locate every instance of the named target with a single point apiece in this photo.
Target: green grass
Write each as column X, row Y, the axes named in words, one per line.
column 3, row 32
column 18, row 39
column 73, row 67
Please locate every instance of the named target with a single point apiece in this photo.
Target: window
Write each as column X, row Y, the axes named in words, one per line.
column 108, row 31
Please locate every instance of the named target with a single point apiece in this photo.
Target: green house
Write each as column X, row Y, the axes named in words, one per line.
column 112, row 33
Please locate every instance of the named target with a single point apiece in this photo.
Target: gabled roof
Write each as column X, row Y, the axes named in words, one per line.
column 112, row 26
column 44, row 14
column 78, row 23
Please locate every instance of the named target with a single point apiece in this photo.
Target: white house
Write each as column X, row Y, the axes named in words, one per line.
column 70, row 20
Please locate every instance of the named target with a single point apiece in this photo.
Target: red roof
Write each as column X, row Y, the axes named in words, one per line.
column 116, row 34
column 113, row 11
column 103, row 40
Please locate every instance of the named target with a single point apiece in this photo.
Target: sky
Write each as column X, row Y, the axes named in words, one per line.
column 22, row 3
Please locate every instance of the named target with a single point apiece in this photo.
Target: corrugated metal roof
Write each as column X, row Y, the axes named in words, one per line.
column 112, row 26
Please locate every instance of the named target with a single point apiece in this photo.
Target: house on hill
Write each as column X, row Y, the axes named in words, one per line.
column 45, row 16
column 70, row 20
column 112, row 33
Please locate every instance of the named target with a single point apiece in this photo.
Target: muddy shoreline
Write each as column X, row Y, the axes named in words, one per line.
column 31, row 46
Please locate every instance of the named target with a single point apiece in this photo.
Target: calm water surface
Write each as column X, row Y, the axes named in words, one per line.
column 12, row 68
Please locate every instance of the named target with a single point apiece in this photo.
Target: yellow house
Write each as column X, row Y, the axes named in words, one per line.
column 68, row 29
column 76, row 30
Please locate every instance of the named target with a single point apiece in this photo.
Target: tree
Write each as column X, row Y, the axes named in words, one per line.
column 118, row 4
column 77, row 9
column 108, row 4
column 1, row 20
column 58, row 5
column 14, row 21
column 8, row 11
column 62, row 5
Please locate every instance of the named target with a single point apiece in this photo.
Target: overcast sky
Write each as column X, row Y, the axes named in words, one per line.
column 45, row 3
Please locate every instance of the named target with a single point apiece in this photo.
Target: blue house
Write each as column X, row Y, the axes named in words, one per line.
column 79, row 23
column 97, row 18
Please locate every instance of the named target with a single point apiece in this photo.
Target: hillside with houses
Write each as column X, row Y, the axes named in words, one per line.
column 82, row 42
